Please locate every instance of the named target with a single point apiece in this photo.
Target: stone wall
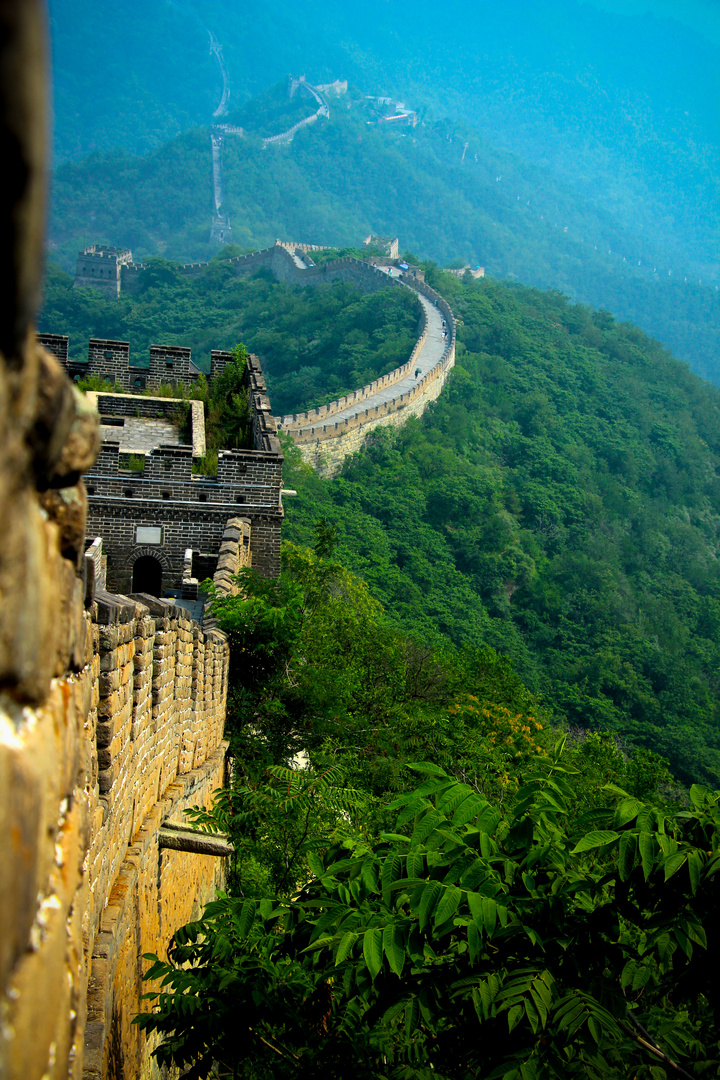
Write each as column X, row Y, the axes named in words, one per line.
column 130, row 734
column 325, row 443
column 110, row 360
column 181, row 509
column 280, row 261
column 327, row 454
column 111, row 707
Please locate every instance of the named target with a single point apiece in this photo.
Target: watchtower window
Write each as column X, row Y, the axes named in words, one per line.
column 108, row 355
column 167, row 464
column 168, row 363
column 90, row 488
column 166, row 494
column 128, row 493
column 239, row 498
column 202, row 496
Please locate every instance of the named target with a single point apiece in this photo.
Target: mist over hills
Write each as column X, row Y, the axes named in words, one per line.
column 623, row 107
column 343, row 178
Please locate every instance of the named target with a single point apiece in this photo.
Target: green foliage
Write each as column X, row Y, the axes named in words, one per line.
column 558, row 502
column 228, row 420
column 316, row 667
column 314, row 344
column 469, row 940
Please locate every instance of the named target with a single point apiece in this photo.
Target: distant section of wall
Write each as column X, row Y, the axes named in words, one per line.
column 322, row 110
column 296, row 423
column 325, row 442
column 279, row 259
column 100, row 268
column 327, row 453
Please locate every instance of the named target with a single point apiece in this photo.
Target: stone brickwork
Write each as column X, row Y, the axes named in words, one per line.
column 100, row 268
column 160, row 709
column 187, row 511
column 165, row 509
column 111, row 707
column 298, row 422
column 327, row 454
column 135, row 409
column 129, row 734
column 110, row 360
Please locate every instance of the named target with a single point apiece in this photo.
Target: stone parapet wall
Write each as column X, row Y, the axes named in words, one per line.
column 299, row 421
column 372, row 416
column 111, row 707
column 279, row 259
column 158, row 713
column 324, row 443
column 129, row 735
column 292, row 247
column 289, row 134
column 110, row 360
column 327, row 455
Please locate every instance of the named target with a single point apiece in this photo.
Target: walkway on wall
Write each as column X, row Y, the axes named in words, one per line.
column 430, row 354
column 216, row 50
column 289, row 135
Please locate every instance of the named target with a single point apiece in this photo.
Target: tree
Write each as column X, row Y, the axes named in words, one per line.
column 472, row 941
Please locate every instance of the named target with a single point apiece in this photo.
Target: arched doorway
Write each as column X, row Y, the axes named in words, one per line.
column 147, row 576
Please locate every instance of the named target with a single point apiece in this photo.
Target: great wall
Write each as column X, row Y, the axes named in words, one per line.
column 113, row 676
column 328, row 434
column 113, row 693
column 221, row 229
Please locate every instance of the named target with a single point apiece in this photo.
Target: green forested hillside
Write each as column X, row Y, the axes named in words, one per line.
column 315, row 344
column 559, row 502
column 341, row 179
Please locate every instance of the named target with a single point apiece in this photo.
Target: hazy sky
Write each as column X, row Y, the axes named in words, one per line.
column 701, row 15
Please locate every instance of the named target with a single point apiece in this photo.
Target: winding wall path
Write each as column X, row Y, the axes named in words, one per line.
column 326, row 435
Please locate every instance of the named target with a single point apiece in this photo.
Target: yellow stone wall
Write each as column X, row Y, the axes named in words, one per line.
column 86, row 779
column 111, row 711
column 129, row 734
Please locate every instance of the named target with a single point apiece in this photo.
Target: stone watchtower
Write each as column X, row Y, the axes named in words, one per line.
column 100, row 268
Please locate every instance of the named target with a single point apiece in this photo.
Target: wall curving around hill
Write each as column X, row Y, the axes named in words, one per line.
column 327, row 435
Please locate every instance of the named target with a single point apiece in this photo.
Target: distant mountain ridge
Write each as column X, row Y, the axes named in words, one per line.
column 622, row 107
column 440, row 186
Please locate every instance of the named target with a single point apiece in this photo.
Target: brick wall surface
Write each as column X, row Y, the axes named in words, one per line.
column 112, row 710
column 129, row 735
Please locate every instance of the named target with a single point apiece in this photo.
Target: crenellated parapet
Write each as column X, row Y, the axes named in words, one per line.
column 110, row 361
